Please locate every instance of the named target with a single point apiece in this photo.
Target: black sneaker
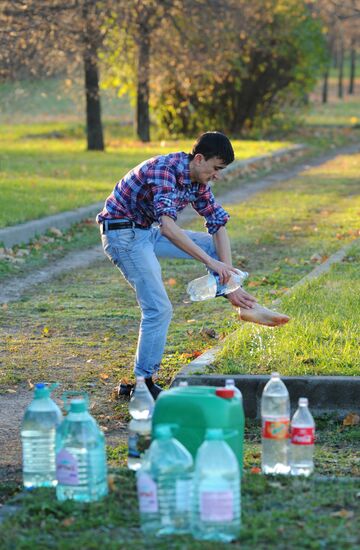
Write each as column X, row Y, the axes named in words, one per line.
column 153, row 388
column 125, row 390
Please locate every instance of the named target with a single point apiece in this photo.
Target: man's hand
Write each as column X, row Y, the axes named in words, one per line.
column 242, row 299
column 222, row 269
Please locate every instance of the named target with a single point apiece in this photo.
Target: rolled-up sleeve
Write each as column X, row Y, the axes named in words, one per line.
column 164, row 193
column 206, row 206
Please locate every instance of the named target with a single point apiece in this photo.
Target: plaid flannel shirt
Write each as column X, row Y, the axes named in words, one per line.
column 162, row 186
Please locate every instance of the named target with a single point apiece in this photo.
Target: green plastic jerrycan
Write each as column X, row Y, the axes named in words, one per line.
column 191, row 410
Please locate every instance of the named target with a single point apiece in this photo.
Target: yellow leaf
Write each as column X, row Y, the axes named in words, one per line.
column 352, row 419
column 345, row 514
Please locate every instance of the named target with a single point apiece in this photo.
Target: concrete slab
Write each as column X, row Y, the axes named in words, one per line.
column 335, row 395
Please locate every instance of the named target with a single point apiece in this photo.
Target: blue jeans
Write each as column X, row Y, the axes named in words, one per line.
column 135, row 252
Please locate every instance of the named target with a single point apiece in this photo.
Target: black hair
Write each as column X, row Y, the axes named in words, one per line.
column 213, row 144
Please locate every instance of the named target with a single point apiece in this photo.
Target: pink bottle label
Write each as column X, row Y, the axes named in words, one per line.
column 303, row 436
column 216, row 506
column 147, row 493
column 66, row 468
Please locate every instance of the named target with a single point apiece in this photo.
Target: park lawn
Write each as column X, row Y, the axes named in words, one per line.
column 83, row 326
column 322, row 338
column 45, row 168
column 277, row 512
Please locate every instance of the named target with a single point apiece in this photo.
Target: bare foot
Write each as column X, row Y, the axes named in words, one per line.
column 263, row 316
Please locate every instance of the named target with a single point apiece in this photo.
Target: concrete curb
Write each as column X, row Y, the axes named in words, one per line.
column 337, row 395
column 23, row 233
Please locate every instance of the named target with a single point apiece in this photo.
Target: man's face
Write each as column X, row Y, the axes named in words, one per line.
column 204, row 171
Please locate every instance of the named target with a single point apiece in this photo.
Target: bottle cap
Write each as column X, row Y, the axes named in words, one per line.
column 41, row 390
column 214, row 434
column 162, row 431
column 303, row 401
column 78, row 406
column 275, row 375
column 225, row 393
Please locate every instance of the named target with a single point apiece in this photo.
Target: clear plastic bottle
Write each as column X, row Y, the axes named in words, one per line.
column 216, row 504
column 302, row 440
column 209, row 286
column 230, row 383
column 171, row 469
column 38, row 434
column 147, row 493
column 275, row 414
column 141, row 407
column 80, row 456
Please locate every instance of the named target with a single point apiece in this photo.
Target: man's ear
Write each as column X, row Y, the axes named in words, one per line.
column 199, row 158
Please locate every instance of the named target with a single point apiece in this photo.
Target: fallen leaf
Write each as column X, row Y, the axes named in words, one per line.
column 296, row 228
column 255, row 470
column 171, row 282
column 316, row 258
column 104, row 376
column 10, row 391
column 253, row 284
column 31, row 385
column 352, row 419
column 191, row 321
column 345, row 514
column 68, row 521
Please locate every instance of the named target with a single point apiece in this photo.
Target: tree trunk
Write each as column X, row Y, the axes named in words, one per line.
column 352, row 66
column 94, row 130
column 325, row 88
column 142, row 103
column 341, row 71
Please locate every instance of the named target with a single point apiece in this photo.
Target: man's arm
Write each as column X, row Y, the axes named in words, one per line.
column 239, row 297
column 180, row 239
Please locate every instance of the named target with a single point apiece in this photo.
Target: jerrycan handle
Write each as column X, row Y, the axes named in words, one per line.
column 67, row 395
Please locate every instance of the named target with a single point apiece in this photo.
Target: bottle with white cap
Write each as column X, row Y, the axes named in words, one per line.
column 141, row 407
column 302, row 440
column 275, row 414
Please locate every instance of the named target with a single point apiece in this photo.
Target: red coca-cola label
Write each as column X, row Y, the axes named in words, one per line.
column 276, row 429
column 302, row 436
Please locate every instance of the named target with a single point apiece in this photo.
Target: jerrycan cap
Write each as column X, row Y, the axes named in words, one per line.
column 225, row 393
column 78, row 405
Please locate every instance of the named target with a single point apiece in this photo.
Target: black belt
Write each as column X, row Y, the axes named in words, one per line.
column 110, row 225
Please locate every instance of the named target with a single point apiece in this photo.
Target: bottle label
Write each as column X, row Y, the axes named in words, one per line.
column 147, row 493
column 66, row 468
column 278, row 429
column 138, row 444
column 183, row 495
column 216, row 506
column 303, row 436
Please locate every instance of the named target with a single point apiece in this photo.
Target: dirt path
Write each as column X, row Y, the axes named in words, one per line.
column 13, row 401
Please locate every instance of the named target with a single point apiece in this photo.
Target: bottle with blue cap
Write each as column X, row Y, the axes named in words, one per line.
column 216, row 501
column 38, row 433
column 81, row 467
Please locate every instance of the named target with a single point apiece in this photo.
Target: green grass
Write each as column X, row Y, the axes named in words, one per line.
column 322, row 338
column 46, row 173
column 89, row 312
column 277, row 513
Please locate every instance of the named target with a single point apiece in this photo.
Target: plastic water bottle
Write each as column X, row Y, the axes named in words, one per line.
column 38, row 432
column 172, row 465
column 81, row 467
column 216, row 502
column 147, row 493
column 230, row 384
column 141, row 407
column 302, row 440
column 275, row 414
column 171, row 469
column 209, row 286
